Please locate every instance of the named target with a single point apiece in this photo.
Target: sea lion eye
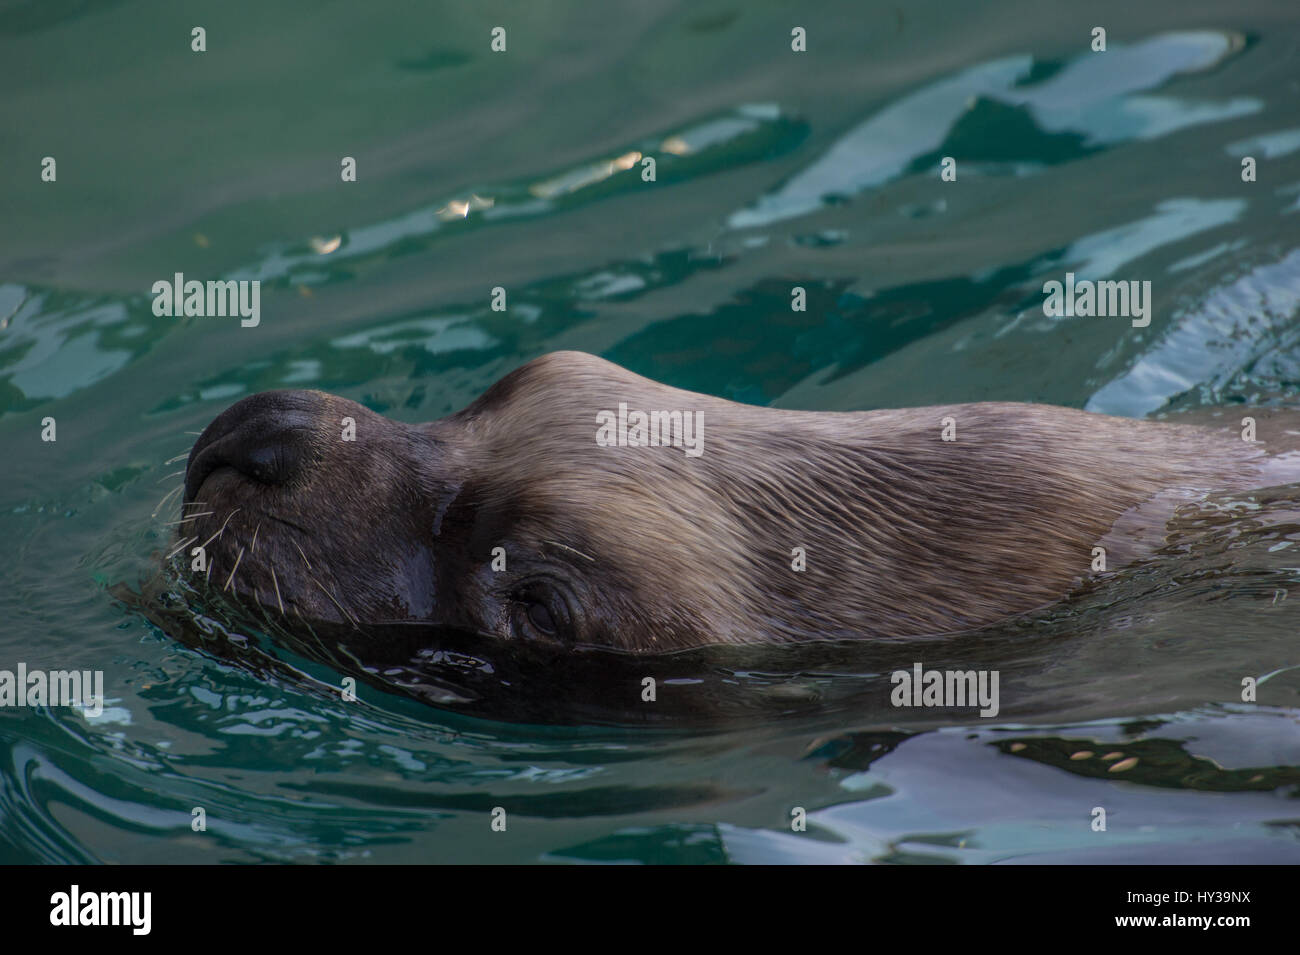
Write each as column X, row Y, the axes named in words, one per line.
column 539, row 615
column 542, row 611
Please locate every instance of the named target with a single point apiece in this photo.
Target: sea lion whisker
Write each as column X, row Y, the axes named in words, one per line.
column 221, row 529
column 306, row 623
column 233, row 569
column 571, row 550
column 186, row 520
column 181, row 546
column 166, row 497
column 252, row 548
column 172, row 475
column 180, row 457
column 336, row 603
column 277, row 591
column 304, row 556
column 288, row 523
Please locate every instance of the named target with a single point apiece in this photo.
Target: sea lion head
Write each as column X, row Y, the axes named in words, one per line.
column 519, row 518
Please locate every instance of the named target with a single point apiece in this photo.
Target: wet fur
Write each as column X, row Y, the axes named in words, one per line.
column 905, row 533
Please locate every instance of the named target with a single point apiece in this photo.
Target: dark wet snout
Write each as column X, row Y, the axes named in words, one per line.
column 266, row 437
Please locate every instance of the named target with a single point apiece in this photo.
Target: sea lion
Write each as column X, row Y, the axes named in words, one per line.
column 546, row 511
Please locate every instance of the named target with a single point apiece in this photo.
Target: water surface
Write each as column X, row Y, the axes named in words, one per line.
column 774, row 169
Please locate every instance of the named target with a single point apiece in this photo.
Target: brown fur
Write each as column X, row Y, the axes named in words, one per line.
column 905, row 533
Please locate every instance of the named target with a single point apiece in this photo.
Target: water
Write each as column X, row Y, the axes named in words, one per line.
column 775, row 169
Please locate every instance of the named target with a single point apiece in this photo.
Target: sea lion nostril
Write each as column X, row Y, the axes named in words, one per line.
column 265, row 437
column 274, row 461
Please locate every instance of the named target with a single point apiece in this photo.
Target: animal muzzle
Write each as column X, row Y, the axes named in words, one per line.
column 266, row 437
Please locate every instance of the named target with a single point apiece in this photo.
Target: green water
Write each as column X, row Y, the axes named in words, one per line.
column 774, row 169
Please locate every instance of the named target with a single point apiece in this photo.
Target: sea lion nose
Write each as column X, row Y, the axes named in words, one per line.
column 266, row 437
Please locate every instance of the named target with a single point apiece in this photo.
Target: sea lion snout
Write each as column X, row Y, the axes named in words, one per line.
column 266, row 437
column 315, row 507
